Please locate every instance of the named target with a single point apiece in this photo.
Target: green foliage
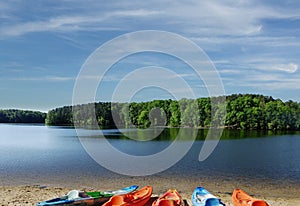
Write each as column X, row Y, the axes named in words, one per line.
column 175, row 117
column 21, row 116
column 243, row 111
column 190, row 114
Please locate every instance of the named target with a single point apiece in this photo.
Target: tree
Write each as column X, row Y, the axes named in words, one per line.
column 190, row 114
column 175, row 119
column 143, row 119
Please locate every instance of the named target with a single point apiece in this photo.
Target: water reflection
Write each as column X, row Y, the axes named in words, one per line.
column 170, row 134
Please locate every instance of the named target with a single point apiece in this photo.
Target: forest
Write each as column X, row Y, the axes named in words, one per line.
column 243, row 111
column 21, row 116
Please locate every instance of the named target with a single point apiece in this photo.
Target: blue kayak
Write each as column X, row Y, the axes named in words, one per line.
column 80, row 198
column 201, row 197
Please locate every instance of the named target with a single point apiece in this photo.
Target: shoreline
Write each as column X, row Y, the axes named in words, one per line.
column 273, row 192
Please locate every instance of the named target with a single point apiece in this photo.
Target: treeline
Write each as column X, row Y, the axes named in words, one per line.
column 243, row 111
column 21, row 116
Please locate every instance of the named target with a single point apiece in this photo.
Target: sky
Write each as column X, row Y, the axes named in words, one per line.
column 254, row 46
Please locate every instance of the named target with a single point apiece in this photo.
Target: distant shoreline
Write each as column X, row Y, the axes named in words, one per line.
column 165, row 127
column 242, row 111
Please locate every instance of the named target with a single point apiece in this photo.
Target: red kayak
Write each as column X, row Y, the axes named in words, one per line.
column 136, row 198
column 170, row 198
column 241, row 198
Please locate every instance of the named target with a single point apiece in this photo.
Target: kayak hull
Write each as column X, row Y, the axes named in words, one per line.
column 80, row 198
column 201, row 197
column 136, row 198
column 78, row 202
column 241, row 198
column 111, row 193
column 170, row 198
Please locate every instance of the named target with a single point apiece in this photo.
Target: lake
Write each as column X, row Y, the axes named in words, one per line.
column 35, row 154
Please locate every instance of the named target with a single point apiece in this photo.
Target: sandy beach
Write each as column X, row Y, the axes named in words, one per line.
column 275, row 193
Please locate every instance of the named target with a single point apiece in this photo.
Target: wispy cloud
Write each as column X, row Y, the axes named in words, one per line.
column 62, row 23
column 134, row 13
column 274, row 65
column 266, row 81
column 44, row 78
column 207, row 17
column 67, row 23
column 279, row 84
column 229, row 71
column 289, row 68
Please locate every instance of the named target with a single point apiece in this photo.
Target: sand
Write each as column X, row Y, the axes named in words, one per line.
column 275, row 193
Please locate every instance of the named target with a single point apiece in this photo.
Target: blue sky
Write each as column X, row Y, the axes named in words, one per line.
column 255, row 45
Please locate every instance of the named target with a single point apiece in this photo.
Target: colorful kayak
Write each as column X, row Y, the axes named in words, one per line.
column 170, row 198
column 241, row 198
column 113, row 192
column 201, row 197
column 80, row 198
column 136, row 198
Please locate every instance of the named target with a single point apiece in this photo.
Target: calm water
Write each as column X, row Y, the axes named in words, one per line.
column 29, row 154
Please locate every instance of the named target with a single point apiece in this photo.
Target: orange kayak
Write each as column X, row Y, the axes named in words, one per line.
column 136, row 198
column 170, row 198
column 241, row 198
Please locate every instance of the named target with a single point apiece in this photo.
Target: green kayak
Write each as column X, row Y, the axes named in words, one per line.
column 80, row 198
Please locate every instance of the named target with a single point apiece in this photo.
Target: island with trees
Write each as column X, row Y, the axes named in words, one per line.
column 243, row 111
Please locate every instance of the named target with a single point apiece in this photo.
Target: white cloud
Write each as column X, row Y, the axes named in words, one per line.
column 273, row 65
column 59, row 79
column 289, row 68
column 135, row 13
column 229, row 71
